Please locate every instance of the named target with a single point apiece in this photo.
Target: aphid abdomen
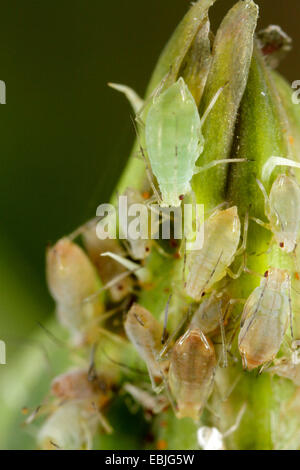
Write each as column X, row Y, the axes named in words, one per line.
column 172, row 140
column 208, row 265
column 191, row 373
column 145, row 333
column 265, row 320
column 285, row 211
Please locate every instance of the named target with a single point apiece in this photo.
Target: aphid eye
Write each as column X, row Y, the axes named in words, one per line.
column 181, row 197
column 203, row 294
column 297, row 276
column 281, row 245
column 266, row 274
column 147, row 249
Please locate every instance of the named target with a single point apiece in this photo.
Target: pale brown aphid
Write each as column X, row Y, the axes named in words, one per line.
column 76, row 385
column 210, row 264
column 108, row 268
column 192, row 368
column 265, row 319
column 71, row 279
column 145, row 333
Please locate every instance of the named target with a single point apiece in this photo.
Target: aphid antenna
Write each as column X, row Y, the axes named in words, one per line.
column 231, row 388
column 212, row 104
column 199, row 169
column 141, row 273
column 60, row 343
column 81, row 229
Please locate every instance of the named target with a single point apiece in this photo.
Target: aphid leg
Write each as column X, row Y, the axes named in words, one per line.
column 272, row 162
column 150, row 177
column 264, row 366
column 237, row 423
column 199, row 169
column 167, row 344
column 239, row 271
column 245, row 234
column 223, row 336
column 261, row 223
column 108, row 285
column 141, row 273
column 78, row 231
column 211, row 105
column 103, row 421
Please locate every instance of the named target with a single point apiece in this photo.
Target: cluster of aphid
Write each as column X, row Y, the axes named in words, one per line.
column 183, row 367
column 98, row 289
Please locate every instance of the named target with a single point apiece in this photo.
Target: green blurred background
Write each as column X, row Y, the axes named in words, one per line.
column 65, row 138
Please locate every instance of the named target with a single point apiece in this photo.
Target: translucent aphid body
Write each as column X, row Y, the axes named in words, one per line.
column 283, row 211
column 285, row 368
column 173, row 141
column 207, row 266
column 210, row 312
column 71, row 279
column 265, row 319
column 145, row 332
column 191, row 373
column 70, row 427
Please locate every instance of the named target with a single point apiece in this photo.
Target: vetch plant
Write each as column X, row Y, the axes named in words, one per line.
column 192, row 349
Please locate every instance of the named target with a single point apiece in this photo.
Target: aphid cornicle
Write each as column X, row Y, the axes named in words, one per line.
column 210, row 264
column 282, row 208
column 191, row 373
column 145, row 333
column 265, row 319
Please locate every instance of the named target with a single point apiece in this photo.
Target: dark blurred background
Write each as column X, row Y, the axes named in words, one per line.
column 65, row 135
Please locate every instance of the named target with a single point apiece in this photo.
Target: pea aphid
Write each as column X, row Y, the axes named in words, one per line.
column 265, row 319
column 174, row 140
column 222, row 233
column 282, row 207
column 145, row 333
column 191, row 373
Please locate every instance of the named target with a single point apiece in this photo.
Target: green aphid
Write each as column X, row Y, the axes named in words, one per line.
column 174, row 140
